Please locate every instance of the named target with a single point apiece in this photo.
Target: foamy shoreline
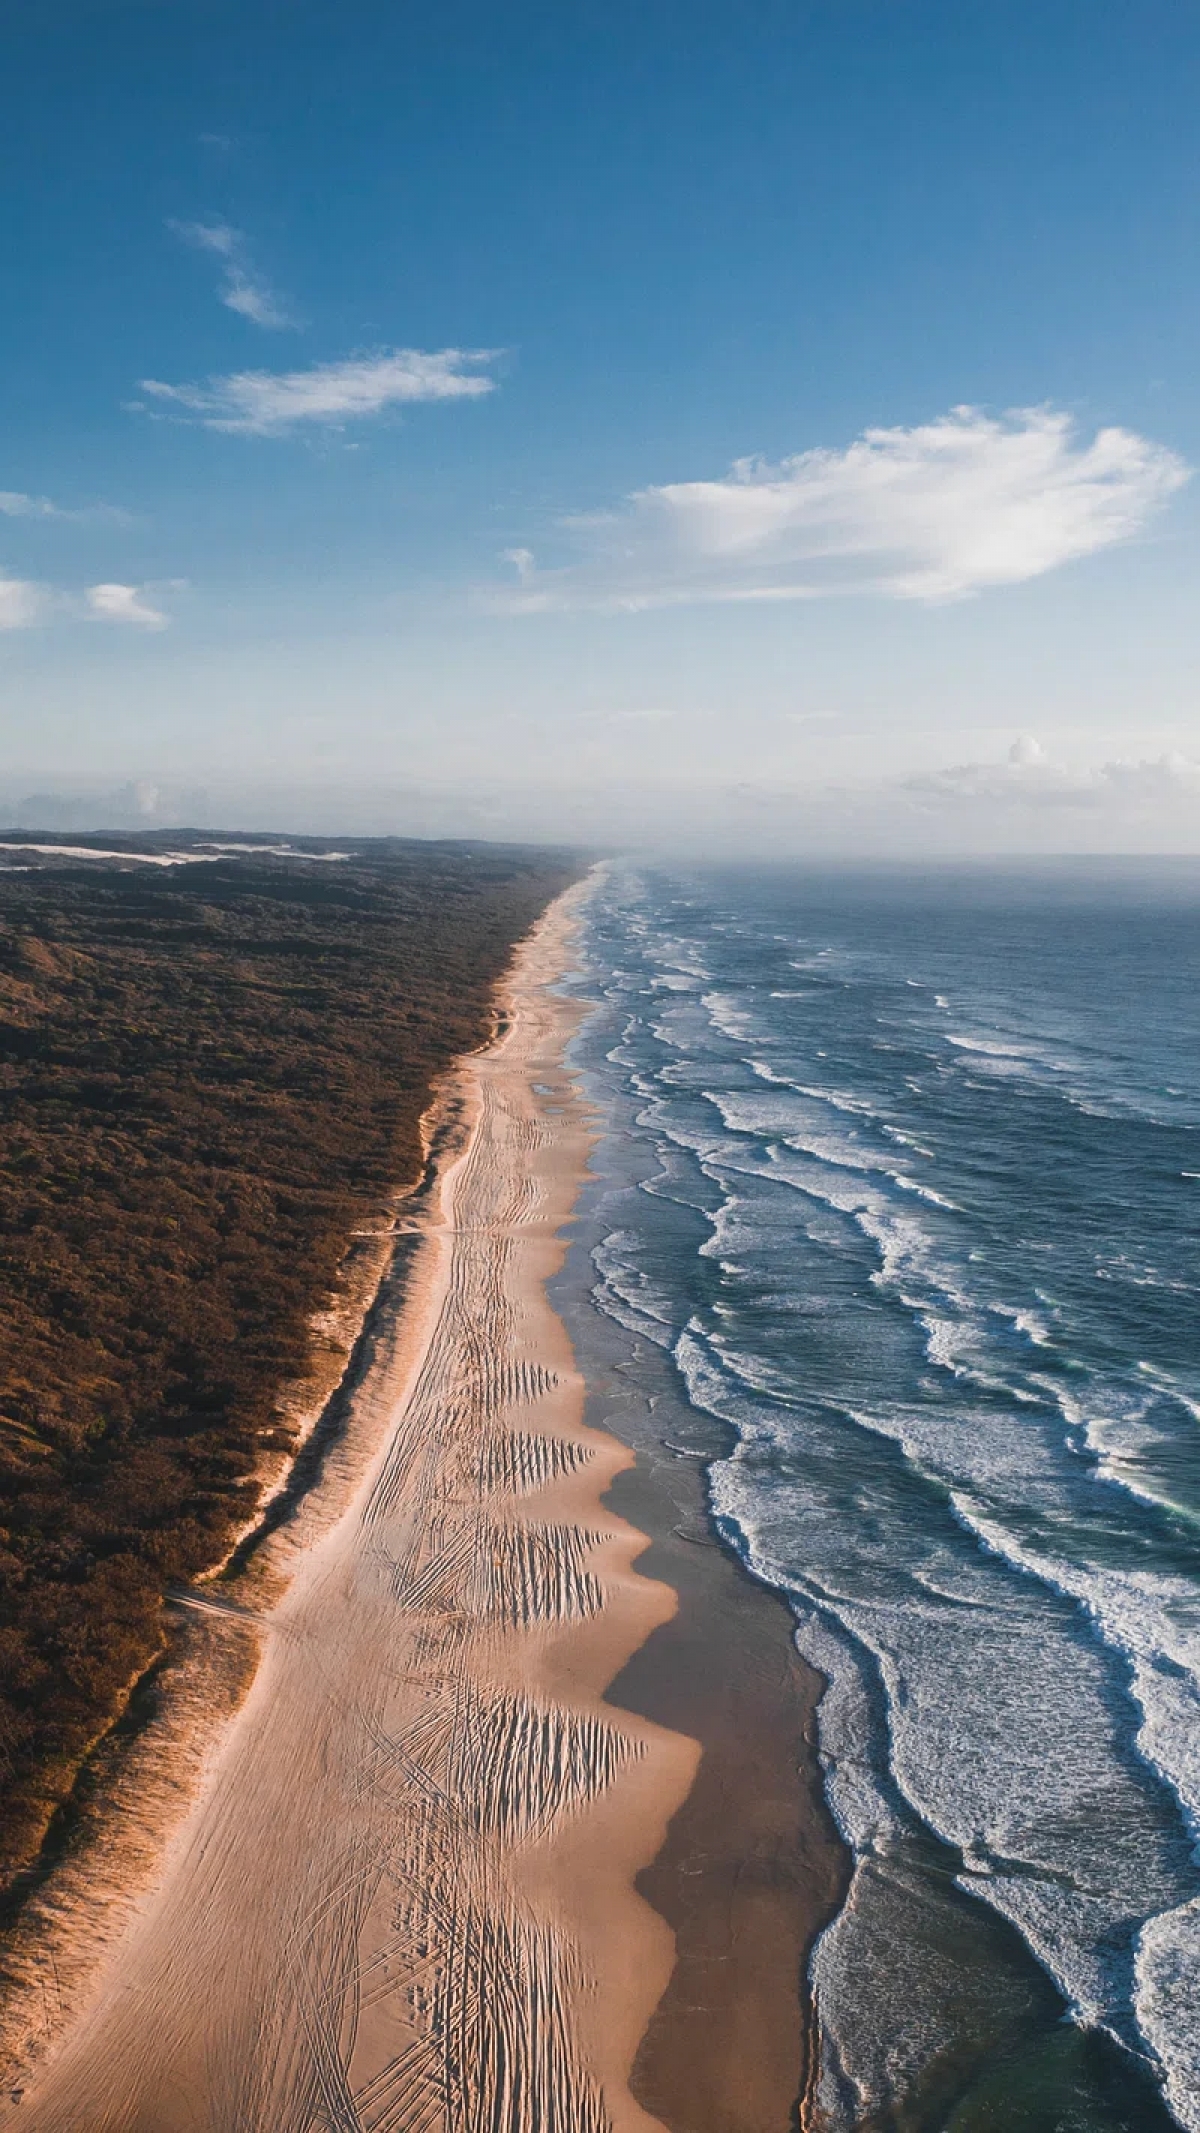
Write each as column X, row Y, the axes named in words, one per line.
column 405, row 1894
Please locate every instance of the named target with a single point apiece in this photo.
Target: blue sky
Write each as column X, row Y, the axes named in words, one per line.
column 372, row 384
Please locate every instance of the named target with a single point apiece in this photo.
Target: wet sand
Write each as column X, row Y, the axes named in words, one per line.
column 753, row 1866
column 434, row 1877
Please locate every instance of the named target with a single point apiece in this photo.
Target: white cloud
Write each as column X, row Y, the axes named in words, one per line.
column 22, row 603
column 14, row 504
column 262, row 403
column 1029, row 778
column 242, row 289
column 124, row 603
column 250, row 296
column 216, row 237
column 945, row 509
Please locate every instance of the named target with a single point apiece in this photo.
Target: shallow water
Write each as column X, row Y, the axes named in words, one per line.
column 902, row 1176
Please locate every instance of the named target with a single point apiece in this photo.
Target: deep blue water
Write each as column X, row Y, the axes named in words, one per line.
column 903, row 1177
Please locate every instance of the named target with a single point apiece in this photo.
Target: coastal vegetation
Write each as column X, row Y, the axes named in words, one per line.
column 211, row 1075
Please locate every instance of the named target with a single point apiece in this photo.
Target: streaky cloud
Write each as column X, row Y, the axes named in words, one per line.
column 936, row 512
column 242, row 289
column 1029, row 778
column 15, row 504
column 250, row 297
column 262, row 403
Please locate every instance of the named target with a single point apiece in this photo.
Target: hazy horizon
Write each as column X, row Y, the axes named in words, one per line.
column 966, row 814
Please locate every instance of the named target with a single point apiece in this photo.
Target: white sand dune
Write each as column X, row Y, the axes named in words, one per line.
column 404, row 1902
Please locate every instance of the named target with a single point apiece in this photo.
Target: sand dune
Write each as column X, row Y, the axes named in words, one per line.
column 404, row 1902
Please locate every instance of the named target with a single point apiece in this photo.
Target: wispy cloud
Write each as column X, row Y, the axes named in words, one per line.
column 262, row 403
column 14, row 504
column 124, row 603
column 26, row 604
column 22, row 603
column 931, row 513
column 242, row 288
column 1027, row 777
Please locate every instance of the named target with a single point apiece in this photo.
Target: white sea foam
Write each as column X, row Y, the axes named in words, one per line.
column 996, row 1048
column 628, row 1294
column 906, row 1140
column 1038, row 1664
column 1118, row 1430
column 1031, row 1323
column 1064, row 1932
column 1052, row 1852
column 1166, row 1974
column 931, row 1198
column 838, row 1099
column 728, row 1015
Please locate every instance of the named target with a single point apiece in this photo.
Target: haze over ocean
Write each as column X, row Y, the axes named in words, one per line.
column 902, row 1173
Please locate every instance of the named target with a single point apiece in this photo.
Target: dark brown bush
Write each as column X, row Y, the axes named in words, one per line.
column 209, row 1078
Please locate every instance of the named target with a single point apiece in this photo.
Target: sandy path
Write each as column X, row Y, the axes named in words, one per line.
column 404, row 1902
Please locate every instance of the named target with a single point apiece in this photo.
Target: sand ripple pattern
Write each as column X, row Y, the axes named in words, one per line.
column 352, row 1936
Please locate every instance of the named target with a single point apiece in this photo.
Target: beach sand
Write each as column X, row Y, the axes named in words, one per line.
column 434, row 1877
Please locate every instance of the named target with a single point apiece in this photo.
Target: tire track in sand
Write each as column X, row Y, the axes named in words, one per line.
column 404, row 1901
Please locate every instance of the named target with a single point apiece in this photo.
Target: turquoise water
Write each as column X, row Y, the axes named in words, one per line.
column 902, row 1178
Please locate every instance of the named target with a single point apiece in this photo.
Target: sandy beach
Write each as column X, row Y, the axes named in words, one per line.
column 407, row 1897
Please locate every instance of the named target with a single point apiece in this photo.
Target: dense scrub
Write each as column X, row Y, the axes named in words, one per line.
column 209, row 1076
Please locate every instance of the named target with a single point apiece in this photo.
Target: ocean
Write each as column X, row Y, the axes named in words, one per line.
column 900, row 1180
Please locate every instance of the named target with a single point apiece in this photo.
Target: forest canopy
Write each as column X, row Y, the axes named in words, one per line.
column 210, row 1074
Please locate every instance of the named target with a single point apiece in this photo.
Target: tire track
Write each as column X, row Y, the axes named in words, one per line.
column 362, row 1930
